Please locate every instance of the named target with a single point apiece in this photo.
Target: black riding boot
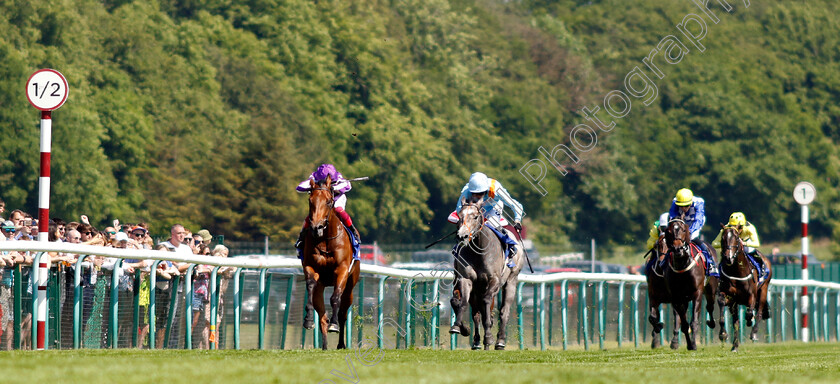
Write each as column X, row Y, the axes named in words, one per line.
column 356, row 232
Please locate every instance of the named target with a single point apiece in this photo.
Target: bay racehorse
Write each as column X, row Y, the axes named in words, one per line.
column 480, row 273
column 327, row 261
column 686, row 280
column 658, row 293
column 739, row 285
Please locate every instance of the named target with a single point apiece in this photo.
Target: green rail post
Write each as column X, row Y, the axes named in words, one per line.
column 519, row 287
column 826, row 336
column 634, row 307
column 136, row 304
column 743, row 321
column 581, row 309
column 602, row 318
column 815, row 325
column 564, row 312
column 550, row 312
column 77, row 299
column 348, row 327
column 113, row 331
column 837, row 316
column 361, row 304
column 18, row 293
column 584, row 316
column 404, row 306
column 662, row 315
column 380, row 318
column 645, row 323
column 152, row 299
column 435, row 323
column 55, row 308
column 214, row 302
column 620, row 336
column 263, row 300
column 534, row 312
column 542, row 316
column 170, row 314
column 429, row 319
column 453, row 338
column 188, row 301
column 290, row 284
column 782, row 312
column 303, row 330
column 237, row 312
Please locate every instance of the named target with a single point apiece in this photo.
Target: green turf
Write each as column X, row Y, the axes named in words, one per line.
column 759, row 363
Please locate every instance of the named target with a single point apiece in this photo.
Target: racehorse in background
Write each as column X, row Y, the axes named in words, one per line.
column 739, row 284
column 658, row 293
column 686, row 279
column 480, row 272
column 327, row 261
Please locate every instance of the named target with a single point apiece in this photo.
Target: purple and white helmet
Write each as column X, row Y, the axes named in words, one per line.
column 323, row 171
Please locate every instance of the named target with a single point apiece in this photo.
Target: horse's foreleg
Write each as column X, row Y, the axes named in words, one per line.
column 736, row 326
column 694, row 326
column 722, row 318
column 318, row 303
column 335, row 299
column 311, row 280
column 487, row 311
column 476, row 316
column 682, row 311
column 460, row 300
column 710, row 293
column 675, row 339
column 346, row 302
column 656, row 324
column 508, row 298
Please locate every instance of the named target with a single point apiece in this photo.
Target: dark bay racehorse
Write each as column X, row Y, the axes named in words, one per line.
column 327, row 261
column 686, row 280
column 480, row 272
column 739, row 285
column 658, row 294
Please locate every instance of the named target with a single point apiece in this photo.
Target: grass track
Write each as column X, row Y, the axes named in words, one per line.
column 759, row 363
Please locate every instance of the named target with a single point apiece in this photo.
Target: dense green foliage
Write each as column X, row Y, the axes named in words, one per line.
column 756, row 363
column 210, row 112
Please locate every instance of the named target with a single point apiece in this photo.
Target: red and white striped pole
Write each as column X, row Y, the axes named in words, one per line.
column 46, row 90
column 804, row 298
column 44, row 224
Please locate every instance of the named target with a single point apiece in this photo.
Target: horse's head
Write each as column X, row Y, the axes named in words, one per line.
column 320, row 204
column 730, row 244
column 677, row 235
column 471, row 220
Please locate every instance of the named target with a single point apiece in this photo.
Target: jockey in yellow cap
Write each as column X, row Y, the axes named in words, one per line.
column 748, row 235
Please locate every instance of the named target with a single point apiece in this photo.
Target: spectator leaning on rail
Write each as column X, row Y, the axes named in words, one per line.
column 692, row 210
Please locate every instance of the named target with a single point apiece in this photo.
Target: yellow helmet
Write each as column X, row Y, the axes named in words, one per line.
column 684, row 197
column 737, row 218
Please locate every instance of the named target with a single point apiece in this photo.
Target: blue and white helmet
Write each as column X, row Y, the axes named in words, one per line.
column 479, row 183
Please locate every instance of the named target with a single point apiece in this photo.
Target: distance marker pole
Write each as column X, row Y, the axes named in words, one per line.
column 804, row 301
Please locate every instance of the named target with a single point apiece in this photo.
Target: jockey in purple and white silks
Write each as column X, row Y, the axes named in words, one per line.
column 493, row 198
column 340, row 187
column 692, row 210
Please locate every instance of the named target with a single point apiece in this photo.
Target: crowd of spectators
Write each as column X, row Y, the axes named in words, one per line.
column 133, row 276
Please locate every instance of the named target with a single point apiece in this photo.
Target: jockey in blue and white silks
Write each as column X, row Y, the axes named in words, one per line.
column 492, row 197
column 692, row 210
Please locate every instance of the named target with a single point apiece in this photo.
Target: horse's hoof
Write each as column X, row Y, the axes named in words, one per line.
column 333, row 328
column 500, row 346
column 734, row 349
column 455, row 329
column 658, row 327
column 486, row 347
column 723, row 336
column 465, row 331
column 675, row 346
column 308, row 325
column 476, row 347
column 754, row 337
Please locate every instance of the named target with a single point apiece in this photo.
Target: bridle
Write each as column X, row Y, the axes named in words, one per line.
column 738, row 249
column 684, row 248
column 330, row 207
column 480, row 213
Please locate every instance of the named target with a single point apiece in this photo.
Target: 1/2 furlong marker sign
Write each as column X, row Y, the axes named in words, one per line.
column 46, row 90
column 804, row 193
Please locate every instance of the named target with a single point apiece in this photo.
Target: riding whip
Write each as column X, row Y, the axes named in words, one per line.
column 523, row 250
column 359, row 179
column 648, row 253
column 442, row 239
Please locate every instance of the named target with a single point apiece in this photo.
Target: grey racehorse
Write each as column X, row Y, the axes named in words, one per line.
column 480, row 272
